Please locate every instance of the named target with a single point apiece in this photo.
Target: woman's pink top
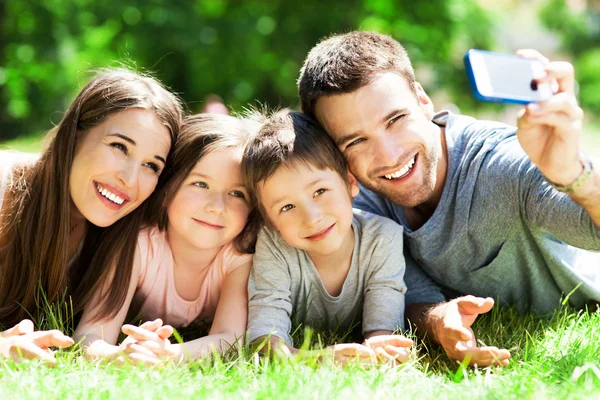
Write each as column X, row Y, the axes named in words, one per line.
column 156, row 296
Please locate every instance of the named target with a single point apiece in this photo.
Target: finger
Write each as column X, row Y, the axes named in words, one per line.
column 152, row 326
column 142, row 359
column 486, row 356
column 165, row 331
column 394, row 340
column 139, row 333
column 159, row 349
column 399, row 354
column 139, row 349
column 382, row 355
column 533, row 54
column 474, row 305
column 560, row 103
column 22, row 328
column 354, row 350
column 28, row 350
column 51, row 338
column 564, row 74
column 559, row 121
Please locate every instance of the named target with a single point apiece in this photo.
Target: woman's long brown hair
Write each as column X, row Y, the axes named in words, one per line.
column 36, row 221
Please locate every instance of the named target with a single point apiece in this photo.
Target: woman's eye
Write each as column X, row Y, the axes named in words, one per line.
column 154, row 167
column 287, row 207
column 238, row 193
column 202, row 185
column 120, row 146
column 319, row 192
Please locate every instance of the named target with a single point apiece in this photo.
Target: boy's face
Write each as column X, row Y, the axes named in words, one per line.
column 311, row 208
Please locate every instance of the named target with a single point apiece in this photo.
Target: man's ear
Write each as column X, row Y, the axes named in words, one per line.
column 424, row 101
column 353, row 183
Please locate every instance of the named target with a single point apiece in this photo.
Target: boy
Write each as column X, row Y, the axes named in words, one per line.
column 316, row 259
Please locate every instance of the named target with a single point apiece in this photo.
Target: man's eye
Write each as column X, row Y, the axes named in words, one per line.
column 319, row 192
column 355, row 142
column 120, row 146
column 202, row 185
column 287, row 207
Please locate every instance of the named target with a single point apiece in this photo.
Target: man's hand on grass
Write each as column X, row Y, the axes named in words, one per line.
column 451, row 324
column 391, row 348
column 22, row 342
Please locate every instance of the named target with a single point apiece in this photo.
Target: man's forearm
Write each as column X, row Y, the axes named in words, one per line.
column 589, row 195
column 421, row 316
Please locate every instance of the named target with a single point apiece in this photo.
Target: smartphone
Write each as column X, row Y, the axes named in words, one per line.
column 505, row 78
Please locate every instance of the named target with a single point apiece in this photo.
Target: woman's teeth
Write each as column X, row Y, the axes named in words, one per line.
column 110, row 196
column 405, row 170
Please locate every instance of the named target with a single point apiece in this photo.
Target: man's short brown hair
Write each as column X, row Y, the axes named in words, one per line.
column 283, row 139
column 344, row 63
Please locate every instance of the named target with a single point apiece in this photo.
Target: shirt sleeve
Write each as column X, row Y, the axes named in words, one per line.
column 269, row 292
column 544, row 208
column 383, row 307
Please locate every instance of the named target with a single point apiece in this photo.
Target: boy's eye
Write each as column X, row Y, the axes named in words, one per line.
column 238, row 193
column 319, row 192
column 154, row 167
column 202, row 185
column 287, row 207
column 396, row 118
column 120, row 146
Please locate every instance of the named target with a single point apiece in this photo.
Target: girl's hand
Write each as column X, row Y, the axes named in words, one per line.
column 390, row 347
column 101, row 350
column 149, row 330
column 21, row 342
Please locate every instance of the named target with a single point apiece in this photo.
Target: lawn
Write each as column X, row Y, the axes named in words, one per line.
column 551, row 358
column 556, row 358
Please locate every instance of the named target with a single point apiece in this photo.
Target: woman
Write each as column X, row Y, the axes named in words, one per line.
column 62, row 216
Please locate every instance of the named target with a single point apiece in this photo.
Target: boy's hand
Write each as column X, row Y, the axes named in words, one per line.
column 550, row 131
column 390, row 347
column 346, row 353
column 452, row 329
column 21, row 342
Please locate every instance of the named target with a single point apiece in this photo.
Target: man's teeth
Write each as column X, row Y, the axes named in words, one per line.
column 110, row 196
column 402, row 171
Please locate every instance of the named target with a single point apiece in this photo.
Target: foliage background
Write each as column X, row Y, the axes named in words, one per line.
column 252, row 50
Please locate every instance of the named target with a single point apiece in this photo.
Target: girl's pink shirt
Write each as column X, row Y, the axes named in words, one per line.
column 156, row 296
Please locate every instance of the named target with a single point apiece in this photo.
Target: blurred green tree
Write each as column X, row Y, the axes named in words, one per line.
column 579, row 30
column 241, row 50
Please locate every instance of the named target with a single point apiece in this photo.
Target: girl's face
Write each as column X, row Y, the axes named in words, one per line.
column 211, row 207
column 116, row 165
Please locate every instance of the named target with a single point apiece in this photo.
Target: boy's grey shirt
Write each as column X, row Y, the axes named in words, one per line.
column 284, row 283
column 500, row 229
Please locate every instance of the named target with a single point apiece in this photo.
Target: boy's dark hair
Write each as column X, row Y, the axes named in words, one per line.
column 344, row 63
column 284, row 138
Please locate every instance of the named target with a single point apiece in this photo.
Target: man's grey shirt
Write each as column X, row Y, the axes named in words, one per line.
column 500, row 229
column 285, row 284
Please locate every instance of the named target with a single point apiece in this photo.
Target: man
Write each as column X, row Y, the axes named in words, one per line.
column 487, row 210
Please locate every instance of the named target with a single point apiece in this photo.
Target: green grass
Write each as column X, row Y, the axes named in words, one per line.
column 556, row 358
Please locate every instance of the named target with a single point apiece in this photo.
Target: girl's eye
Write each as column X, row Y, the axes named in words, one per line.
column 287, row 207
column 319, row 192
column 154, row 167
column 202, row 185
column 120, row 146
column 238, row 193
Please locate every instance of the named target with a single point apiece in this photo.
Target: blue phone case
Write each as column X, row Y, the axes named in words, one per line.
column 473, row 84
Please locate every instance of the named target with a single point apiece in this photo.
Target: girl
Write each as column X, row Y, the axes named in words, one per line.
column 193, row 264
column 70, row 211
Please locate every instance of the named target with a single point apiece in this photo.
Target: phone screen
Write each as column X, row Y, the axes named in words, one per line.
column 508, row 77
